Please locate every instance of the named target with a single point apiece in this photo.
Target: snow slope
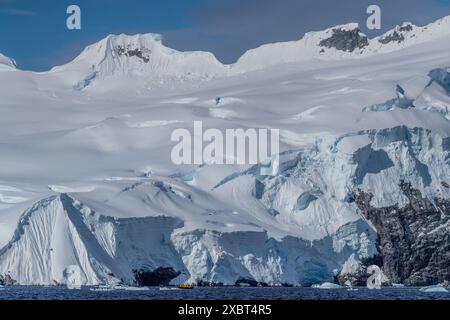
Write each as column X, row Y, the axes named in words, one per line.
column 86, row 178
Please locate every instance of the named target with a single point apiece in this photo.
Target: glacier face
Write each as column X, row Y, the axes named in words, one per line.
column 60, row 232
column 87, row 183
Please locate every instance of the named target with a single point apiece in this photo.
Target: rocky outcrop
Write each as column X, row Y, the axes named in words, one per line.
column 7, row 280
column 157, row 277
column 346, row 40
column 143, row 54
column 414, row 239
column 397, row 35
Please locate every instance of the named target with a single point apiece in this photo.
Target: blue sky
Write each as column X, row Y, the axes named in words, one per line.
column 34, row 32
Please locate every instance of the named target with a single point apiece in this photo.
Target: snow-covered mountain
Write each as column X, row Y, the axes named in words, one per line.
column 7, row 63
column 86, row 177
column 340, row 42
column 142, row 55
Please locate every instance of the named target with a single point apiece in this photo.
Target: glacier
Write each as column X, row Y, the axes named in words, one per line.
column 86, row 179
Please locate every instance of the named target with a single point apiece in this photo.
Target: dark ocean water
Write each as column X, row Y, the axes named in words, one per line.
column 154, row 293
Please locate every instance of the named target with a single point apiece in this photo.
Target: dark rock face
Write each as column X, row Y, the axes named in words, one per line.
column 157, row 277
column 396, row 36
column 345, row 40
column 7, row 280
column 133, row 53
column 405, row 28
column 414, row 240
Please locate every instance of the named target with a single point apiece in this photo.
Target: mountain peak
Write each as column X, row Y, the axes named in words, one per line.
column 7, row 63
column 136, row 37
column 139, row 55
column 145, row 55
column 342, row 41
column 347, row 37
column 119, row 46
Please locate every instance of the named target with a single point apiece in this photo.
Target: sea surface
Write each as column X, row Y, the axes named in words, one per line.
column 224, row 293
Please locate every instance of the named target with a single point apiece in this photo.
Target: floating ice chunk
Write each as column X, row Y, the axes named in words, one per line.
column 72, row 275
column 398, row 285
column 437, row 289
column 129, row 288
column 326, row 285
